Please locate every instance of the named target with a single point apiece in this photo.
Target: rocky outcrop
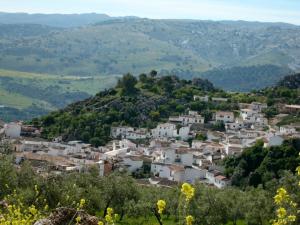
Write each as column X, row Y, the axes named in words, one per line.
column 62, row 216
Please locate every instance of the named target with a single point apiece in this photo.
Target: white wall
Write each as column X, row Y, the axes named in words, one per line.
column 184, row 133
column 187, row 159
column 133, row 164
column 12, row 130
column 193, row 174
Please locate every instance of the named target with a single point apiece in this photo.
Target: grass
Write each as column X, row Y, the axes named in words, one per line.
column 90, row 85
column 289, row 120
column 145, row 221
column 152, row 221
column 14, row 100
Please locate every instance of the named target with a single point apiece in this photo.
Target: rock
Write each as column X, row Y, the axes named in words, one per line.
column 43, row 222
column 62, row 216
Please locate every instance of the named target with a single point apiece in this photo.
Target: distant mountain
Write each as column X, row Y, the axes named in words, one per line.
column 55, row 20
column 233, row 55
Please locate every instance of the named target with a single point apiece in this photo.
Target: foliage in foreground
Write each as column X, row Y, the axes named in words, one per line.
column 135, row 203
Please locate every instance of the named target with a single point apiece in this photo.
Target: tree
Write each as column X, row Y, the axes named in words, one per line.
column 6, row 148
column 117, row 192
column 143, row 78
column 153, row 73
column 219, row 126
column 127, row 83
column 95, row 141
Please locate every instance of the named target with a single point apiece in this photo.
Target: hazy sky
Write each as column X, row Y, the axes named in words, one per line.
column 253, row 10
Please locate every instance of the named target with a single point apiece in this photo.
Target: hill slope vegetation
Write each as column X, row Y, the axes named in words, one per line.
column 137, row 45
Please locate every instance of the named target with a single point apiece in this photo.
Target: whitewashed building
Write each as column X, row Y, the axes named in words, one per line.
column 245, row 113
column 226, row 117
column 119, row 132
column 167, row 130
column 217, row 179
column 12, row 130
column 132, row 163
column 258, row 106
column 201, row 98
column 286, row 130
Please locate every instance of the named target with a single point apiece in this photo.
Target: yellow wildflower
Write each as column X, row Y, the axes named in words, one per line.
column 78, row 219
column 189, row 220
column 281, row 196
column 82, row 203
column 281, row 212
column 188, row 191
column 292, row 218
column 298, row 170
column 161, row 205
column 108, row 217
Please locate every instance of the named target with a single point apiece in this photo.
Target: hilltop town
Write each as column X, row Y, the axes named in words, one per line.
column 185, row 148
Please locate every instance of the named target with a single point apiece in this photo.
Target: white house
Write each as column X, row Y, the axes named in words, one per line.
column 237, row 125
column 124, row 143
column 185, row 120
column 216, row 178
column 193, row 173
column 184, row 133
column 196, row 144
column 215, row 99
column 201, row 98
column 177, row 173
column 233, row 148
column 161, row 170
column 167, row 130
column 118, row 132
column 133, row 163
column 226, row 117
column 247, row 113
column 261, row 120
column 121, row 152
column 221, row 181
column 257, row 106
column 176, row 156
column 286, row 130
column 136, row 134
column 191, row 119
column 12, row 130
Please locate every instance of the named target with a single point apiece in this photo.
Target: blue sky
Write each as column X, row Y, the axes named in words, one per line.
column 252, row 10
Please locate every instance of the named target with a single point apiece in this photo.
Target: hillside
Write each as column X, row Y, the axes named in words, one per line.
column 145, row 102
column 140, row 103
column 247, row 78
column 136, row 45
column 27, row 95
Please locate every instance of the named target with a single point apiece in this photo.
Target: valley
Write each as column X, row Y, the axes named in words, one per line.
column 22, row 92
column 50, row 61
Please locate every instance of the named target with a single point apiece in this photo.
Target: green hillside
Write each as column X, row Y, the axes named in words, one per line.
column 136, row 45
column 242, row 78
column 43, row 92
column 146, row 101
column 235, row 56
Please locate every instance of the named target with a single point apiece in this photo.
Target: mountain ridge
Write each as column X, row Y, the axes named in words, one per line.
column 115, row 46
